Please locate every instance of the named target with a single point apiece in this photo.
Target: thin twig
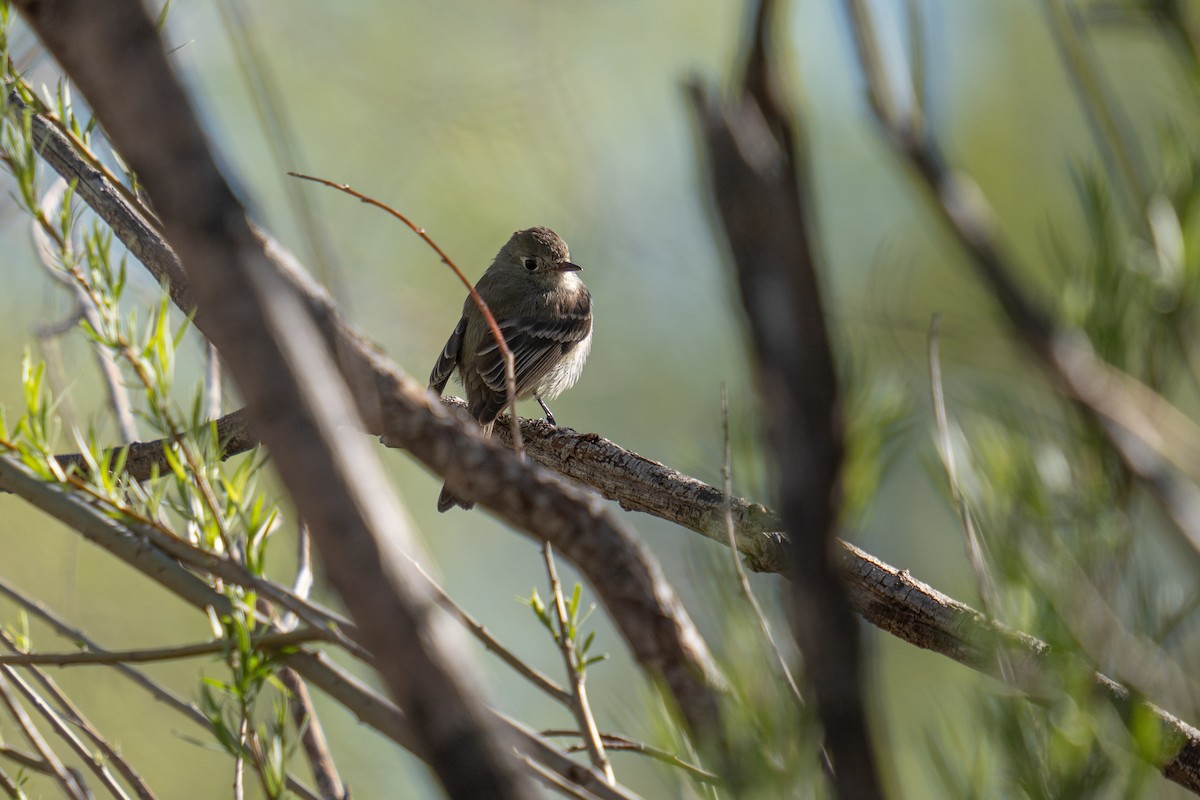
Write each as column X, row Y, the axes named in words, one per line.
column 509, row 364
column 580, row 706
column 56, row 255
column 1110, row 130
column 303, row 582
column 312, row 737
column 239, row 758
column 623, row 743
column 53, row 330
column 555, row 782
column 743, row 581
column 10, row 786
column 265, row 642
column 163, row 695
column 986, row 582
column 62, row 775
column 269, row 101
column 24, row 759
column 69, row 712
column 491, row 643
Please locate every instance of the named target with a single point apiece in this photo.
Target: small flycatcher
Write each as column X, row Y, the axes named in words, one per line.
column 545, row 313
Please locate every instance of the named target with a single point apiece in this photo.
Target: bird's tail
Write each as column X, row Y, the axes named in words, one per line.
column 447, row 499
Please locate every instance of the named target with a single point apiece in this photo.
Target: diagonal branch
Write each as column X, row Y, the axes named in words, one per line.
column 605, row 549
column 270, row 641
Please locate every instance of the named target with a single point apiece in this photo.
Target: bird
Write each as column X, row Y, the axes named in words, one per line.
column 542, row 307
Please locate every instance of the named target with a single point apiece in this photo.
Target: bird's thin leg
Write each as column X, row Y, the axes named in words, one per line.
column 546, row 408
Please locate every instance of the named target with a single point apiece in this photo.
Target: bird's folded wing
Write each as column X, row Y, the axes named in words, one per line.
column 537, row 345
column 448, row 360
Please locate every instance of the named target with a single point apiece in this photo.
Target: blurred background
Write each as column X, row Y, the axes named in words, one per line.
column 476, row 118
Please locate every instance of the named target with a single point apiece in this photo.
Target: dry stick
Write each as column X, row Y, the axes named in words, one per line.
column 24, row 99
column 239, row 759
column 264, row 642
column 510, row 379
column 53, row 330
column 143, row 460
column 65, row 778
column 580, row 706
column 989, row 594
column 303, row 581
column 300, row 704
column 26, row 760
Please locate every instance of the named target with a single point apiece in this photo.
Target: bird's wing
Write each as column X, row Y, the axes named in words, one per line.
column 537, row 345
column 448, row 360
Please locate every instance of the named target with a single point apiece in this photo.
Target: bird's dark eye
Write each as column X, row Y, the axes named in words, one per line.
column 530, row 264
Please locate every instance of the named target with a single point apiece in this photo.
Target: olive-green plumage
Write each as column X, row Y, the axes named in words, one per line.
column 545, row 313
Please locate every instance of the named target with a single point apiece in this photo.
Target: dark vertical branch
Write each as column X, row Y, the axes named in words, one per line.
column 756, row 161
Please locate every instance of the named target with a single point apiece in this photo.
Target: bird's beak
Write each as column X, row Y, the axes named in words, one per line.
column 567, row 266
